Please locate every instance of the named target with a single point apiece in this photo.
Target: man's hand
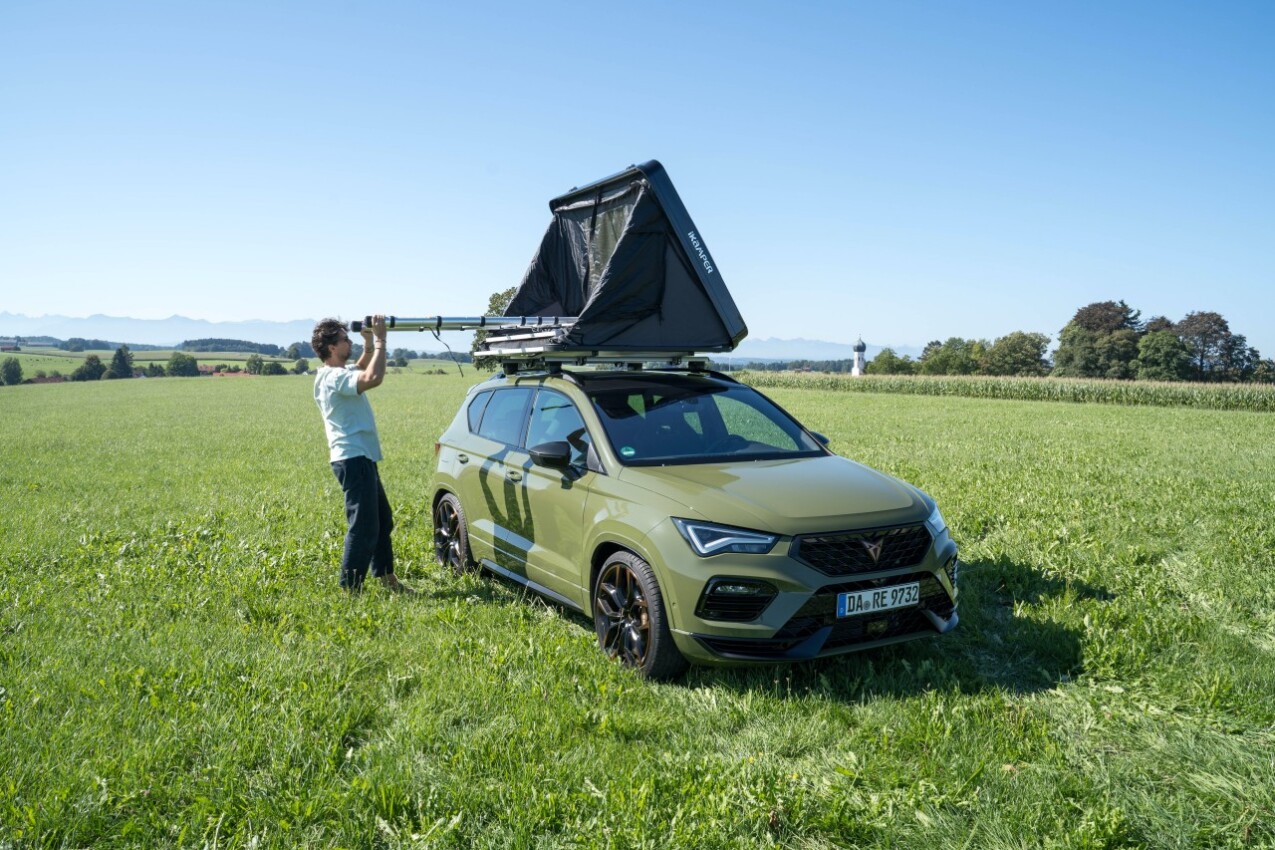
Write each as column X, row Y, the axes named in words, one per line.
column 372, row 364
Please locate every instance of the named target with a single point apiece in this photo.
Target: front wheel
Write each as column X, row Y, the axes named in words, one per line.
column 451, row 538
column 628, row 615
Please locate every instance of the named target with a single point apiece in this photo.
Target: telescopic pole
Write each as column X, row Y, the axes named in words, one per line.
column 465, row 323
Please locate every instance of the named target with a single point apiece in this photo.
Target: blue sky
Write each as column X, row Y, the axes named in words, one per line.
column 904, row 171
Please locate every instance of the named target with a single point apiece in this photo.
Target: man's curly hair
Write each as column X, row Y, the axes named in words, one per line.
column 327, row 333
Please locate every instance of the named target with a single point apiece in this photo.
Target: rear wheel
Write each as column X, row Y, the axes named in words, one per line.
column 628, row 615
column 451, row 538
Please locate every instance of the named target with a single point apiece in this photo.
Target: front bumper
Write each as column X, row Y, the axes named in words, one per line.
column 801, row 621
column 815, row 630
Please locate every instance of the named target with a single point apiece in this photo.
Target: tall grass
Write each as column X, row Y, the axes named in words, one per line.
column 179, row 669
column 1249, row 397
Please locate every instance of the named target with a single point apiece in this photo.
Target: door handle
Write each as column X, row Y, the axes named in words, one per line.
column 514, row 475
column 463, row 458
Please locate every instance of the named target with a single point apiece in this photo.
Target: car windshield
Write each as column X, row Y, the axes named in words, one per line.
column 682, row 419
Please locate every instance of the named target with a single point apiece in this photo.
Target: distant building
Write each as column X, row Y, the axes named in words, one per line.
column 859, row 364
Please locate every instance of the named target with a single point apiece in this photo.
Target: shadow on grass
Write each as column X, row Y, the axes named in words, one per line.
column 1001, row 644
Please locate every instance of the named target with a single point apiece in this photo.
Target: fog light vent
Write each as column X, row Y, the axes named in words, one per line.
column 734, row 599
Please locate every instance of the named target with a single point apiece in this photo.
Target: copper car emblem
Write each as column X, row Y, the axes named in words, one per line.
column 874, row 549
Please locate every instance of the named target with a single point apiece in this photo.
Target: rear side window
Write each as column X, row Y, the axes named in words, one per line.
column 505, row 415
column 476, row 410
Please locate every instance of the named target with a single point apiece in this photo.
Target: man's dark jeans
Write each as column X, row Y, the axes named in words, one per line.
column 368, row 513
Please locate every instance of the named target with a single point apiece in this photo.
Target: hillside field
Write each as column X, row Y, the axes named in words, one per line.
column 65, row 362
column 179, row 669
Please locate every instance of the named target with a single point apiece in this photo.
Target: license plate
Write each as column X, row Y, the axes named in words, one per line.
column 879, row 599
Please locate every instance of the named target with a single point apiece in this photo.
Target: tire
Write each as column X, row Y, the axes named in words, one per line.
column 629, row 618
column 451, row 536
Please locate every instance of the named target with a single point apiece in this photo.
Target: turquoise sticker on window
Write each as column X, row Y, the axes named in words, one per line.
column 628, row 451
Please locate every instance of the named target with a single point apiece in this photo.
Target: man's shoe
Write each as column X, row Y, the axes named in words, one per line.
column 392, row 584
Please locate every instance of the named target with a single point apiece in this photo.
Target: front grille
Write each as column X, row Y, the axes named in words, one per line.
column 849, row 552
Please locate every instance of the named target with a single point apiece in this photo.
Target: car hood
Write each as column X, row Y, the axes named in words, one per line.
column 795, row 496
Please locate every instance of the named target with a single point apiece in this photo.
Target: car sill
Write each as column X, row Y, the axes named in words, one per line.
column 551, row 595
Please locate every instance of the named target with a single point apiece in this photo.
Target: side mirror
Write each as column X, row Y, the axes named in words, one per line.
column 555, row 455
column 823, row 439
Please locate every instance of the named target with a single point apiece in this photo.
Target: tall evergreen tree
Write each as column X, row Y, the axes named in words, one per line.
column 121, row 364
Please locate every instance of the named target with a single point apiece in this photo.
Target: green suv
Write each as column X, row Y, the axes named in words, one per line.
column 690, row 516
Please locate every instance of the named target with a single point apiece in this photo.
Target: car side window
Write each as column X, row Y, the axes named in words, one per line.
column 505, row 415
column 554, row 418
column 475, row 411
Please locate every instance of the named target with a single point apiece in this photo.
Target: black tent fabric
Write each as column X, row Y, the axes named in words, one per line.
column 624, row 257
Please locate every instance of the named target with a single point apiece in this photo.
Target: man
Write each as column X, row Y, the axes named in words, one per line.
column 355, row 448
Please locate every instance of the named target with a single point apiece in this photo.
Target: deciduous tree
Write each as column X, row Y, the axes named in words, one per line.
column 496, row 306
column 1104, row 317
column 956, row 356
column 11, row 371
column 1017, row 353
column 888, row 363
column 1162, row 357
column 181, row 365
column 91, row 369
column 1204, row 333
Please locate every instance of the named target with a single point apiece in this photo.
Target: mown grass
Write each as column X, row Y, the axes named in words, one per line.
column 1249, row 397
column 177, row 667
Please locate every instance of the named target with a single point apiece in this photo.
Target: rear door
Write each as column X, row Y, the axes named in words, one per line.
column 490, row 479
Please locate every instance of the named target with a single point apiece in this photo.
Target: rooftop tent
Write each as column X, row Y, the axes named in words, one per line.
column 623, row 256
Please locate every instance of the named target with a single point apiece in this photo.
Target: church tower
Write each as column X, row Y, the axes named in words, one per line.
column 859, row 365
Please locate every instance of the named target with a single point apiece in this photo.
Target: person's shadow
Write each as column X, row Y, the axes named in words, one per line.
column 1000, row 644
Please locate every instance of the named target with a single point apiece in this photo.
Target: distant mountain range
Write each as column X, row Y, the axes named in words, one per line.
column 176, row 329
column 166, row 332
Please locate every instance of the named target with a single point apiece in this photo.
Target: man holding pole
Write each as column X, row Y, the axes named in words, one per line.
column 355, row 448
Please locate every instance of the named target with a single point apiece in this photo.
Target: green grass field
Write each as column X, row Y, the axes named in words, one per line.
column 179, row 669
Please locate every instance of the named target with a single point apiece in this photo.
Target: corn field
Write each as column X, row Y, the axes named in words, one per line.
column 1246, row 397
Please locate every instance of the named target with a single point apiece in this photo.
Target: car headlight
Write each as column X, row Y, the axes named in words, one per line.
column 935, row 522
column 707, row 538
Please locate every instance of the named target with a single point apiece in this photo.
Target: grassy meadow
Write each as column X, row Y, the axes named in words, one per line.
column 179, row 669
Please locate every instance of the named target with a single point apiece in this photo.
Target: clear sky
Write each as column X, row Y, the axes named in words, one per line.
column 905, row 171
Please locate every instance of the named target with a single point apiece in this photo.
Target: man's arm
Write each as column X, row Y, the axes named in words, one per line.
column 371, row 364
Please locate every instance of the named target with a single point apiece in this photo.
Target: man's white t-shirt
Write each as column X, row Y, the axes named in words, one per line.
column 347, row 415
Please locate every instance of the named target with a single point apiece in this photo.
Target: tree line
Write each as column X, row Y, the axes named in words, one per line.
column 1105, row 339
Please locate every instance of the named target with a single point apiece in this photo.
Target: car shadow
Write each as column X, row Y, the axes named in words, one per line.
column 1005, row 642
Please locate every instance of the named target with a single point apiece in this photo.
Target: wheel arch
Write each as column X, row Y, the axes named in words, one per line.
column 603, row 550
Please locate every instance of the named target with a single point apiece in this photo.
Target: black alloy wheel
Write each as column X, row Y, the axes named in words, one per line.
column 628, row 615
column 451, row 539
